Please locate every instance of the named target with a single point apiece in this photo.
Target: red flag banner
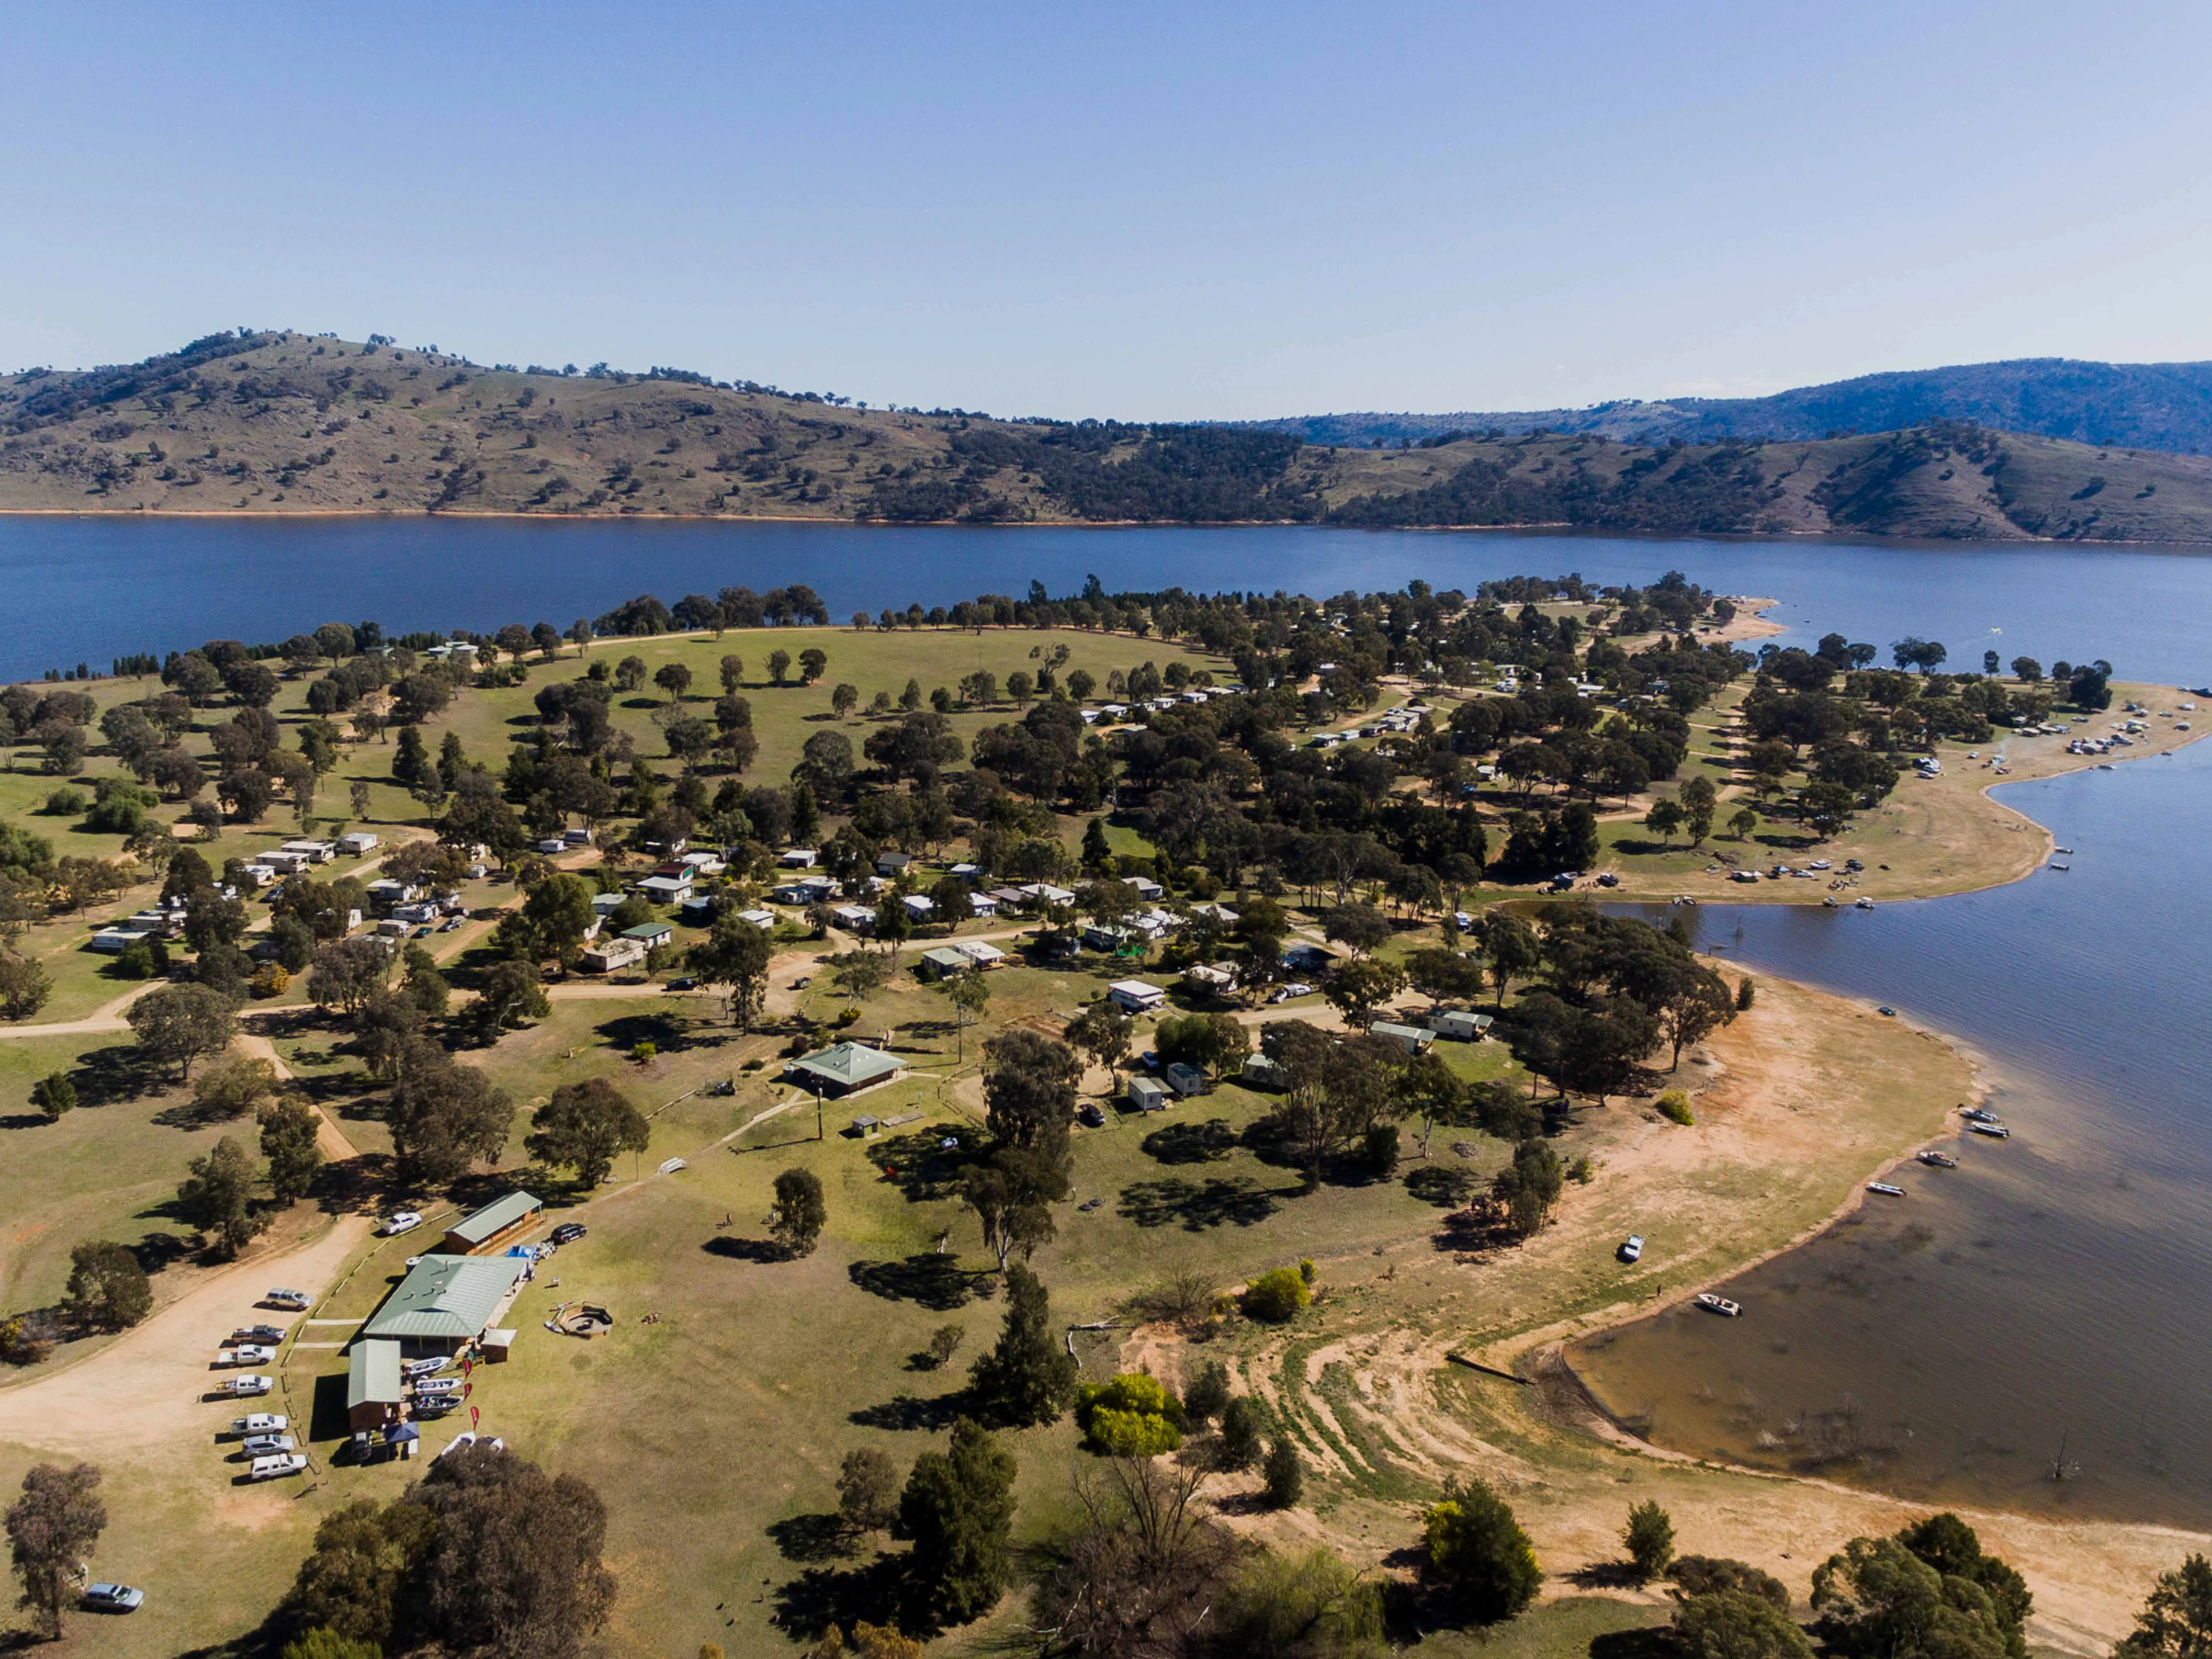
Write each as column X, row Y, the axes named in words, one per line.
column 473, row 1417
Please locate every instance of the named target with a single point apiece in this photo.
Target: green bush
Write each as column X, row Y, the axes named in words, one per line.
column 1276, row 1296
column 1674, row 1107
column 1479, row 1553
column 54, row 1094
column 64, row 803
column 1133, row 1416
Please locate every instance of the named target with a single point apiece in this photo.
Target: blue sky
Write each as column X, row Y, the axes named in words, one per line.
column 1167, row 211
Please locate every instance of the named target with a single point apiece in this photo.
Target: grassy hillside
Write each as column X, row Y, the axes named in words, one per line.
column 2142, row 405
column 286, row 422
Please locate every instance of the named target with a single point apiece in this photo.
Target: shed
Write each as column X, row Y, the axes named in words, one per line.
column 1412, row 1038
column 609, row 956
column 855, row 918
column 1133, row 996
column 373, row 1395
column 891, row 863
column 1147, row 1096
column 360, row 842
column 496, row 1226
column 918, row 907
column 983, row 906
column 498, row 1346
column 650, row 934
column 982, row 952
column 845, row 1068
column 798, row 858
column 1261, row 1072
column 664, row 890
column 1143, row 886
column 1216, row 979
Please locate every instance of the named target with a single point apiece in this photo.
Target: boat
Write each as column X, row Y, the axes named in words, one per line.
column 1887, row 1011
column 1993, row 1131
column 1979, row 1114
column 2055, row 866
column 1830, row 902
column 1861, row 904
column 2064, row 851
column 1719, row 1305
column 1885, row 1188
column 1937, row 1160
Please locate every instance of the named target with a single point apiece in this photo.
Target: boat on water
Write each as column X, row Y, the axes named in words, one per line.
column 1861, row 904
column 1719, row 1305
column 1995, row 1131
column 2056, row 866
column 1830, row 902
column 1978, row 1114
column 1885, row 1189
column 2064, row 852
column 1937, row 1160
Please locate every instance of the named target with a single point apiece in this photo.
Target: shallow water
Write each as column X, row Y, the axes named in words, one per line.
column 2052, row 1296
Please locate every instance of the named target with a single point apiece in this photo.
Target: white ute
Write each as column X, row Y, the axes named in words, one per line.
column 276, row 1467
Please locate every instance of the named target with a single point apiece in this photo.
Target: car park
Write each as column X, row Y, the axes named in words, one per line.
column 245, row 1387
column 261, row 1423
column 404, row 1221
column 111, row 1598
column 568, row 1232
column 266, row 1445
column 276, row 1467
column 295, row 1300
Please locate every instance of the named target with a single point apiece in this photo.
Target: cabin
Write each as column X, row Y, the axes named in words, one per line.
column 360, row 842
column 893, row 864
column 970, row 873
column 798, row 858
column 944, row 963
column 447, row 1302
column 1185, row 1080
column 1147, row 1096
column 1043, row 893
column 763, row 919
column 845, row 1069
column 855, row 918
column 1133, row 996
column 1413, row 1039
column 1007, row 898
column 1096, row 936
column 697, row 911
column 1213, row 978
column 374, row 1398
column 583, row 837
column 1462, row 1024
column 499, row 1223
column 612, row 955
column 605, row 904
column 315, row 852
column 814, row 889
column 1261, row 1072
column 918, row 908
column 983, row 906
column 652, row 935
column 1145, row 888
column 982, row 952
column 665, row 890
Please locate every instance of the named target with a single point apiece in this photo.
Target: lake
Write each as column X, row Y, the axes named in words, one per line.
column 2050, row 1302
column 88, row 589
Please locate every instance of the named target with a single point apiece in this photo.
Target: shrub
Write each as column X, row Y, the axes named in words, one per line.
column 1240, row 1434
column 1649, row 1539
column 1478, row 1551
column 133, row 962
column 1734, row 1626
column 1276, row 1298
column 645, row 1053
column 54, row 1094
column 943, row 1342
column 64, row 803
column 1132, row 1416
column 1711, row 1575
column 1745, row 994
column 24, row 1341
column 1207, row 1397
column 269, row 980
column 1380, row 1147
column 1674, row 1107
column 1285, row 1476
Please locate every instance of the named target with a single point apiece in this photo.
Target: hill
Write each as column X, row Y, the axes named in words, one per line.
column 2164, row 406
column 287, row 423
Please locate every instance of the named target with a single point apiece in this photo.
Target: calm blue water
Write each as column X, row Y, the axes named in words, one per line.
column 2056, row 1290
column 88, row 589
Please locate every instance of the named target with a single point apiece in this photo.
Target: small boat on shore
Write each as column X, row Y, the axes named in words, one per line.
column 1719, row 1305
column 1978, row 1115
column 1937, row 1160
column 1885, row 1188
column 1861, row 904
column 1993, row 1129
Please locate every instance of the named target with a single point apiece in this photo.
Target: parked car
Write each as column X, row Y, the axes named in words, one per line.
column 111, row 1598
column 430, row 1367
column 266, row 1445
column 1632, row 1249
column 684, row 982
column 262, row 1334
column 568, row 1232
column 245, row 1387
column 1091, row 1117
column 276, row 1467
column 295, row 1301
column 404, row 1221
column 247, row 1353
column 261, row 1423
column 449, row 924
column 423, row 932
column 437, row 1385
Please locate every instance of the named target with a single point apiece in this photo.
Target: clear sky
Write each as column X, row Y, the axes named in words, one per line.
column 1179, row 211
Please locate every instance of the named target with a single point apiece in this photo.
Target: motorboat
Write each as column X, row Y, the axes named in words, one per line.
column 1993, row 1131
column 1937, row 1160
column 1862, row 903
column 1978, row 1114
column 1885, row 1189
column 1719, row 1305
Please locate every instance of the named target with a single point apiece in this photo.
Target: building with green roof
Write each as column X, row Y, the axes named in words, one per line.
column 374, row 1396
column 499, row 1223
column 446, row 1301
column 845, row 1068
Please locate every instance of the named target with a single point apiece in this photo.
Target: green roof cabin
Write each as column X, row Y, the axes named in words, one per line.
column 845, row 1068
column 446, row 1301
column 499, row 1223
column 372, row 1391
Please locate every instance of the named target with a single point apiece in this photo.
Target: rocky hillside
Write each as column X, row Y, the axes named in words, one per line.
column 282, row 423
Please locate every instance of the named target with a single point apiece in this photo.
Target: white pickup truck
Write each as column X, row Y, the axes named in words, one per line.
column 246, row 1353
column 276, row 1467
column 245, row 1387
column 261, row 1423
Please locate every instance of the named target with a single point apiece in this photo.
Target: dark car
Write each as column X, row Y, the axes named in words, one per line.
column 1091, row 1118
column 568, row 1232
column 684, row 984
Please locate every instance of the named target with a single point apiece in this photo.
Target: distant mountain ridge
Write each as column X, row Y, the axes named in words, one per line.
column 2163, row 406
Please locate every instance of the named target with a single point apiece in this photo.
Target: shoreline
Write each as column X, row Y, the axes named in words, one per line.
column 1562, row 526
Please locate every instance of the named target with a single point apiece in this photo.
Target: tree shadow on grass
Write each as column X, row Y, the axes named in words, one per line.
column 26, row 1120
column 908, row 1414
column 1650, row 1642
column 918, row 1163
column 1198, row 1205
column 1192, row 1143
column 819, row 1597
column 813, row 1537
column 1442, row 1185
column 746, row 1250
column 665, row 1032
column 118, row 1072
column 933, row 1281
